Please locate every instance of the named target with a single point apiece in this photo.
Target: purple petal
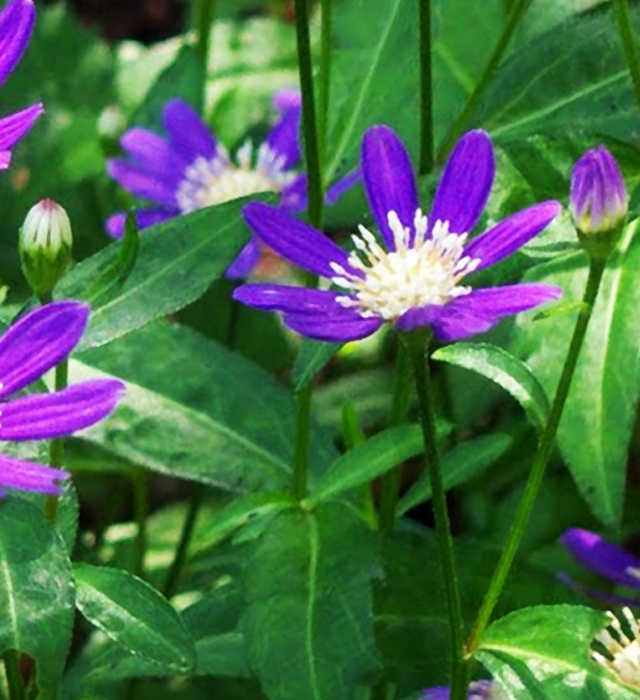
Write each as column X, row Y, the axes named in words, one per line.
column 346, row 183
column 15, row 126
column 288, row 299
column 604, row 558
column 27, row 476
column 447, row 322
column 5, row 159
column 609, row 598
column 38, row 341
column 284, row 137
column 296, row 242
column 47, row 416
column 338, row 329
column 144, row 219
column 286, row 99
column 249, row 257
column 512, row 233
column 152, row 153
column 438, row 693
column 141, row 183
column 189, row 135
column 477, row 690
column 465, row 184
column 294, row 196
column 389, row 181
column 16, row 24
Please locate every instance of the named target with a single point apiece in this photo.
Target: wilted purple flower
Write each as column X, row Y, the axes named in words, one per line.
column 480, row 690
column 28, row 349
column 415, row 282
column 16, row 25
column 598, row 193
column 190, row 169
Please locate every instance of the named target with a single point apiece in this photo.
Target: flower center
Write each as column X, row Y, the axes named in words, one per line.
column 421, row 271
column 216, row 180
column 622, row 651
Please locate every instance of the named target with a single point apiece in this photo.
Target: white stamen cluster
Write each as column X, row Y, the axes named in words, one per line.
column 622, row 651
column 419, row 272
column 213, row 181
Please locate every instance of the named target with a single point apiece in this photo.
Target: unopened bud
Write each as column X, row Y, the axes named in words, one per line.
column 45, row 246
column 599, row 201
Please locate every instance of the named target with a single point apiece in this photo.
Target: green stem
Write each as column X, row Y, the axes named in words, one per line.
column 301, row 450
column 416, row 348
column 203, row 14
column 398, row 413
column 14, row 678
column 629, row 45
column 140, row 485
column 426, row 97
column 324, row 83
column 353, row 436
column 173, row 577
column 56, row 447
column 517, row 10
column 545, row 448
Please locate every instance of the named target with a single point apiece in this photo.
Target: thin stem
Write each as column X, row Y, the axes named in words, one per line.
column 629, row 45
column 203, row 14
column 426, row 97
column 173, row 577
column 324, row 76
column 56, row 447
column 420, row 364
column 397, row 415
column 353, row 436
column 517, row 10
column 301, row 451
column 14, row 677
column 545, row 448
column 140, row 485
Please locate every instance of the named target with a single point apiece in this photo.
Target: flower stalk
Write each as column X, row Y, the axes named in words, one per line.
column 56, row 447
column 324, row 82
column 203, row 14
column 426, row 96
column 623, row 17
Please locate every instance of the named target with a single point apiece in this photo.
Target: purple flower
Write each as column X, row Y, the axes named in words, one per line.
column 598, row 193
column 415, row 281
column 190, row 169
column 16, row 25
column 480, row 690
column 28, row 349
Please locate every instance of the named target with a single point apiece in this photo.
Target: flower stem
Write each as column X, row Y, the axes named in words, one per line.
column 517, row 10
column 301, row 450
column 353, row 436
column 140, row 485
column 416, row 350
column 629, row 45
column 324, row 77
column 397, row 415
column 56, row 447
column 426, row 97
column 203, row 14
column 14, row 678
column 545, row 448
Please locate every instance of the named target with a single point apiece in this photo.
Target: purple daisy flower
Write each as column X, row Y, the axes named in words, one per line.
column 28, row 349
column 16, row 25
column 190, row 169
column 415, row 281
column 480, row 690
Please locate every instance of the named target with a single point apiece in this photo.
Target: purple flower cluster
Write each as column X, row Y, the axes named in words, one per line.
column 414, row 278
column 16, row 25
column 479, row 690
column 28, row 349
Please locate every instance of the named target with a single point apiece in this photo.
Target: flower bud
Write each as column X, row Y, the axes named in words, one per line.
column 45, row 246
column 599, row 200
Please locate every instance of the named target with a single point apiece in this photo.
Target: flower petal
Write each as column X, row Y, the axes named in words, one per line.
column 438, row 693
column 38, row 341
column 389, row 181
column 284, row 137
column 289, row 299
column 153, row 153
column 16, row 25
column 141, row 183
column 47, row 416
column 286, row 99
column 144, row 219
column 447, row 322
column 249, row 257
column 27, row 476
column 337, row 329
column 604, row 558
column 512, row 233
column 15, row 126
column 341, row 186
column 294, row 196
column 189, row 135
column 609, row 598
column 465, row 183
column 296, row 242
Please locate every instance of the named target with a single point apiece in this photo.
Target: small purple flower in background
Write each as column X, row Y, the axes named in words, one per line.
column 480, row 690
column 190, row 169
column 606, row 559
column 28, row 349
column 598, row 194
column 16, row 25
column 416, row 280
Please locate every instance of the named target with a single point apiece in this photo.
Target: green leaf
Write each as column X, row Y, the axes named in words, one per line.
column 307, row 624
column 460, row 464
column 313, row 356
column 600, row 413
column 178, row 260
column 134, row 615
column 227, row 423
column 36, row 591
column 504, row 369
column 543, row 652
